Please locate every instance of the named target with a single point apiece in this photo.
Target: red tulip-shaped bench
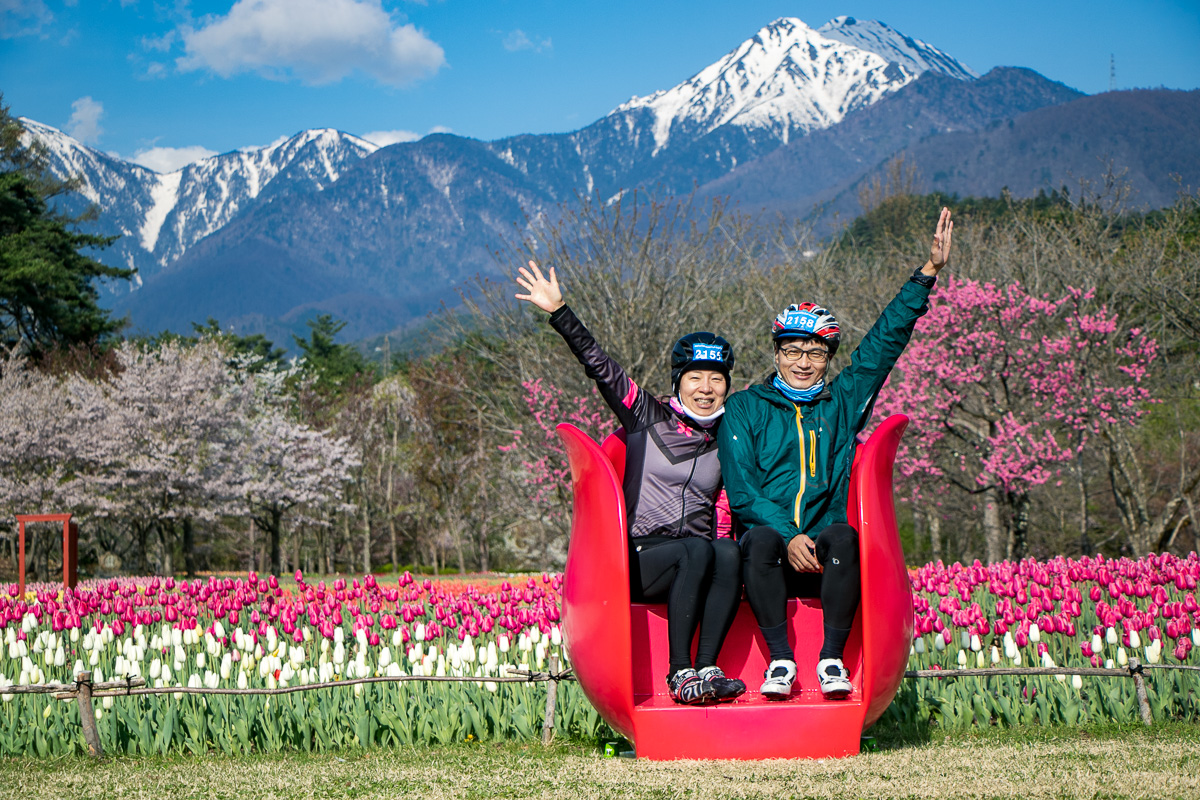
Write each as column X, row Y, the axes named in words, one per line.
column 618, row 649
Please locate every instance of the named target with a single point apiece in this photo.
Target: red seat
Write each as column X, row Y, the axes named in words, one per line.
column 618, row 649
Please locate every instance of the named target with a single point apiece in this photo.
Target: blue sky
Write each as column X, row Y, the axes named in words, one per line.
column 163, row 81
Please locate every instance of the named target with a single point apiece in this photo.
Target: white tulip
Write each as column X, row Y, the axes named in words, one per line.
column 1135, row 641
column 919, row 644
column 242, row 682
column 1076, row 682
column 1035, row 633
column 939, row 642
column 1097, row 644
column 1110, row 635
column 995, row 655
column 976, row 645
column 555, row 636
column 962, row 658
column 1122, row 657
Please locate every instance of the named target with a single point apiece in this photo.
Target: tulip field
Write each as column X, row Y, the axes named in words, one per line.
column 1091, row 612
column 252, row 631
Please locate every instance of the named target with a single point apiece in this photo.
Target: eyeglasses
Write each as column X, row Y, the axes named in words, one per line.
column 794, row 354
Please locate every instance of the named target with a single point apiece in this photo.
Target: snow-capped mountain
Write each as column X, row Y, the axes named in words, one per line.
column 790, row 78
column 326, row 222
column 786, row 80
column 160, row 215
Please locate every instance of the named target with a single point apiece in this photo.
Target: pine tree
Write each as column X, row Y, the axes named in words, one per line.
column 48, row 294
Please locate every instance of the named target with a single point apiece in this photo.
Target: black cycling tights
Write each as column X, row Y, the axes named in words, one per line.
column 701, row 581
column 770, row 581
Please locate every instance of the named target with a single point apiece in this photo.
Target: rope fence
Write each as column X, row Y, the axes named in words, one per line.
column 83, row 690
column 1135, row 670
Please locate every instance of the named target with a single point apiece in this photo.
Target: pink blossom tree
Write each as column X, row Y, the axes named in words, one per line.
column 544, row 469
column 1004, row 387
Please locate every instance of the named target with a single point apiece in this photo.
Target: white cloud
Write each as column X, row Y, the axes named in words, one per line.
column 519, row 40
column 169, row 159
column 23, row 18
column 384, row 138
column 85, row 120
column 440, row 129
column 317, row 41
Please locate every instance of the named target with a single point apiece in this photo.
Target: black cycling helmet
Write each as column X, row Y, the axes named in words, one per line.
column 702, row 350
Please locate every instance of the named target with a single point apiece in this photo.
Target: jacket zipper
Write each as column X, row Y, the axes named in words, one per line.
column 812, row 453
column 803, row 476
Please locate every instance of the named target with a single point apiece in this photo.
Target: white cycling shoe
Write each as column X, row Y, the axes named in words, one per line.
column 780, row 676
column 834, row 679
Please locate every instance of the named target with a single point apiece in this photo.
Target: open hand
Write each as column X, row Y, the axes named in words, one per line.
column 939, row 253
column 543, row 293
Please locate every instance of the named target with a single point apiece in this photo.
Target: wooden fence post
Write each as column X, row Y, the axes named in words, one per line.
column 87, row 715
column 1139, row 683
column 551, row 698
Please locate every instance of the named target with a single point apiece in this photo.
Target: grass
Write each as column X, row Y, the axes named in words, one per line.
column 1056, row 762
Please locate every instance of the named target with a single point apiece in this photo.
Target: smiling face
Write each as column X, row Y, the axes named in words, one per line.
column 703, row 391
column 801, row 363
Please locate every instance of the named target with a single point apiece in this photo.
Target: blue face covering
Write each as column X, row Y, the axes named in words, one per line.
column 799, row 395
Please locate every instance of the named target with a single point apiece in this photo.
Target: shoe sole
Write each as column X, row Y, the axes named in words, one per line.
column 837, row 694
column 776, row 695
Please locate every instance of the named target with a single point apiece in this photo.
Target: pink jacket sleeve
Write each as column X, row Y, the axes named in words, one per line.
column 724, row 524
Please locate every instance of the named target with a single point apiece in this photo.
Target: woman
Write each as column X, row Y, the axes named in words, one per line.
column 678, row 550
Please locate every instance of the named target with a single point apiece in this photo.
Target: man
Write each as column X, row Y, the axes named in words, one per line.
column 786, row 448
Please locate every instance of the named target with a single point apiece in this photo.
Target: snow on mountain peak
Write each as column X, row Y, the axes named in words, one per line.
column 883, row 40
column 790, row 78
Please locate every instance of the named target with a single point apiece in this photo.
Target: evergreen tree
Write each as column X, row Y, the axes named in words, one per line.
column 48, row 294
column 333, row 365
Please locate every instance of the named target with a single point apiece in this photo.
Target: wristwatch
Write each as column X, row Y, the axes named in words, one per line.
column 922, row 278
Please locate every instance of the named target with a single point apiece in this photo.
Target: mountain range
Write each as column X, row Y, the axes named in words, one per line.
column 793, row 119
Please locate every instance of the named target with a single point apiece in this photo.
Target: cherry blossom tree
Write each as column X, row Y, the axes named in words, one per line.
column 544, row 469
column 1004, row 387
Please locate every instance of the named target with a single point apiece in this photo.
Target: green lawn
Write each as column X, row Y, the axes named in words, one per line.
column 1095, row 762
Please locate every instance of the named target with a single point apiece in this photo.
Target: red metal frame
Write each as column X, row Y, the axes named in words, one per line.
column 618, row 649
column 70, row 548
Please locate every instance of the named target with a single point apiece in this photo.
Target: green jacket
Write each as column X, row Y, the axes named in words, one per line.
column 787, row 465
